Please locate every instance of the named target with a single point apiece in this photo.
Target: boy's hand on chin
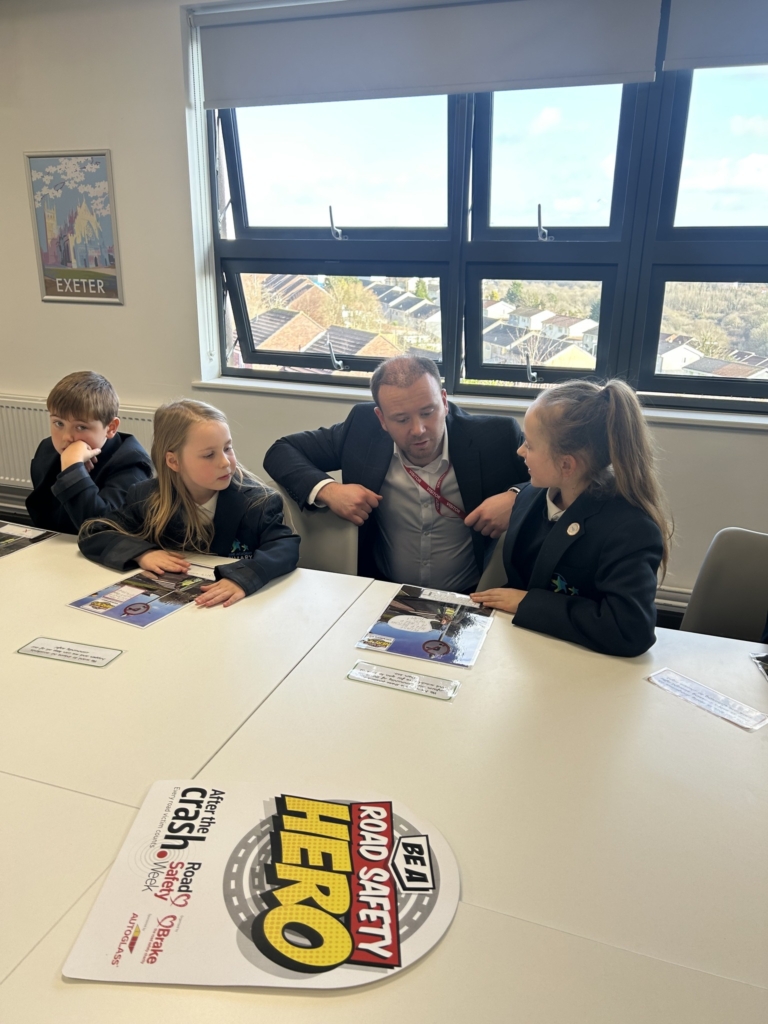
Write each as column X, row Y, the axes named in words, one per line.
column 221, row 592
column 79, row 451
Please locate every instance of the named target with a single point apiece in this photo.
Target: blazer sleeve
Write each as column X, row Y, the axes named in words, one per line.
column 113, row 549
column 276, row 547
column 81, row 497
column 622, row 621
column 300, row 461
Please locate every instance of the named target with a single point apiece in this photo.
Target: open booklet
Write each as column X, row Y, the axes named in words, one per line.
column 436, row 625
column 14, row 536
column 146, row 597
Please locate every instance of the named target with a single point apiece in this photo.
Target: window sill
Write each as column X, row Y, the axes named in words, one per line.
column 712, row 420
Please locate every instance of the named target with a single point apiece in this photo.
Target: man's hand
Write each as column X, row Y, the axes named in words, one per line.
column 491, row 517
column 79, row 451
column 162, row 561
column 503, row 598
column 349, row 501
column 221, row 592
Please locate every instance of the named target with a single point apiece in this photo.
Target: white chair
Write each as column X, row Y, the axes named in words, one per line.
column 494, row 574
column 327, row 542
column 730, row 596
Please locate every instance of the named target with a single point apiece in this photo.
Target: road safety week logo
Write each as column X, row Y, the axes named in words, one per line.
column 227, row 886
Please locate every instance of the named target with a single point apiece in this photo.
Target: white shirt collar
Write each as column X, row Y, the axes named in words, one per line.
column 209, row 508
column 553, row 512
column 435, row 464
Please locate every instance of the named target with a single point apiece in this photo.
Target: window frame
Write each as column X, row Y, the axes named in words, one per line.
column 634, row 256
column 476, row 369
column 699, row 254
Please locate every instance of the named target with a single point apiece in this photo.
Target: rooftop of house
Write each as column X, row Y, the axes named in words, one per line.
column 346, row 341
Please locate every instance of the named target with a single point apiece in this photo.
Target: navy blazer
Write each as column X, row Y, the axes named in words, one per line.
column 243, row 525
column 594, row 585
column 483, row 453
column 62, row 501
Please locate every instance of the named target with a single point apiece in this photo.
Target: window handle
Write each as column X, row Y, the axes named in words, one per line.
column 335, row 363
column 533, row 377
column 544, row 235
column 336, row 232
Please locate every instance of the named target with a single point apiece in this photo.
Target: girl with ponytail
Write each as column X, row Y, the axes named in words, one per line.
column 202, row 499
column 588, row 534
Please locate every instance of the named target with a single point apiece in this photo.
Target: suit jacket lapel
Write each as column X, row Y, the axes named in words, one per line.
column 229, row 511
column 529, row 502
column 465, row 460
column 561, row 538
column 376, row 460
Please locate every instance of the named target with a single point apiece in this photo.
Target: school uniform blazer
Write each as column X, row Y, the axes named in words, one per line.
column 595, row 585
column 62, row 501
column 483, row 452
column 255, row 532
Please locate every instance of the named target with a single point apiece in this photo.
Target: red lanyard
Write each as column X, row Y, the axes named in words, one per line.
column 440, row 499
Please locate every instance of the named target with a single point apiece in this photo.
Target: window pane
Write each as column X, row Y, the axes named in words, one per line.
column 554, row 323
column 556, row 147
column 378, row 163
column 714, row 330
column 373, row 317
column 724, row 177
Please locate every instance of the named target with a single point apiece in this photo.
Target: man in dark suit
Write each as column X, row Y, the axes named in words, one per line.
column 428, row 485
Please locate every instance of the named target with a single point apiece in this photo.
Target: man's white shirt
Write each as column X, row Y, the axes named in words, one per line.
column 416, row 544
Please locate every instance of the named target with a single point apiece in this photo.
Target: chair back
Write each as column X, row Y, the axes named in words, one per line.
column 327, row 542
column 730, row 596
column 494, row 574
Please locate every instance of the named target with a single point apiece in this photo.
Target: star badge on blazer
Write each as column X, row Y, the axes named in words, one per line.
column 560, row 585
column 573, row 529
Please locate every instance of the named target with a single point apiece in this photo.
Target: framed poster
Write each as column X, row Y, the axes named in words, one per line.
column 73, row 214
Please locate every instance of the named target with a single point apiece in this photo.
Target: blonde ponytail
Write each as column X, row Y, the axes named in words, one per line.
column 606, row 428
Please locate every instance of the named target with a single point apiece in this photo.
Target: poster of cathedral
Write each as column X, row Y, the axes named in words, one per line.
column 73, row 209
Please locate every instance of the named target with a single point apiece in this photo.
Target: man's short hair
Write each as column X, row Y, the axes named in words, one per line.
column 402, row 371
column 84, row 395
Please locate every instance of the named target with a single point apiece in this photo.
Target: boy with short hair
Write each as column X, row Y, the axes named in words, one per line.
column 83, row 470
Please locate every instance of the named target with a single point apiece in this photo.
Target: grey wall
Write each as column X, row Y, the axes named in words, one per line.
column 79, row 74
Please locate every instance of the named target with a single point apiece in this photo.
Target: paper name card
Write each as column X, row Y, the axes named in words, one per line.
column 15, row 530
column 710, row 700
column 449, row 595
column 64, row 650
column 427, row 686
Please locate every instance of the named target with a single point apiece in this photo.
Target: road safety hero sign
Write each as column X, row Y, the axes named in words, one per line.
column 221, row 886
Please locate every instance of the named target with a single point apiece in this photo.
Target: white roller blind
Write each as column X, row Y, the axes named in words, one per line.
column 340, row 50
column 716, row 34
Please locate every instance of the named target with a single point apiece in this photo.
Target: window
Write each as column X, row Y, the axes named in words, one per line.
column 556, row 147
column 650, row 262
column 378, row 163
column 724, row 177
column 337, row 319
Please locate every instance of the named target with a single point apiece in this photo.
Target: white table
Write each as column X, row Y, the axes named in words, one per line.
column 574, row 793
column 489, row 968
column 183, row 686
column 610, row 837
column 54, row 844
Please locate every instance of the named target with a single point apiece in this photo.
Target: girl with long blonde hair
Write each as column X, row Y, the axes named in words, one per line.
column 588, row 535
column 203, row 500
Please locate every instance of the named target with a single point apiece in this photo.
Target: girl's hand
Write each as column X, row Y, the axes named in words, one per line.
column 162, row 561
column 503, row 598
column 221, row 592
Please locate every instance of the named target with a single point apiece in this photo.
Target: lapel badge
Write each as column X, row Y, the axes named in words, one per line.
column 573, row 529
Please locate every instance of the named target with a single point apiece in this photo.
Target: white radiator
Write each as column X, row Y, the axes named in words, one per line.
column 24, row 423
